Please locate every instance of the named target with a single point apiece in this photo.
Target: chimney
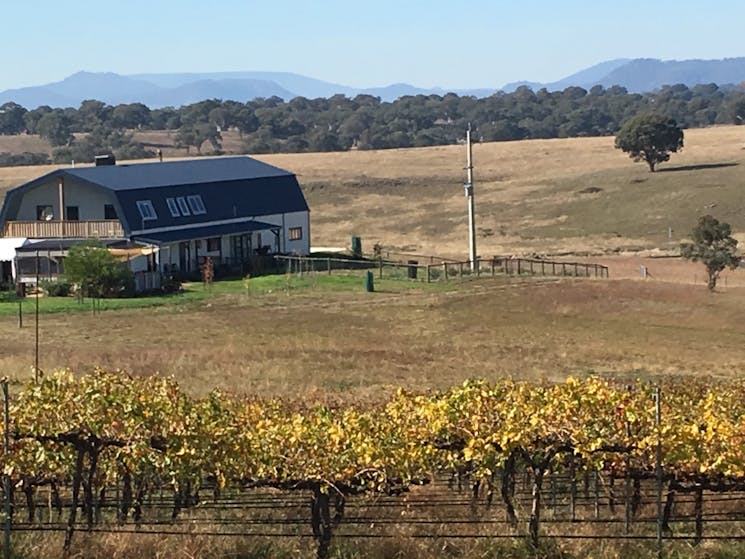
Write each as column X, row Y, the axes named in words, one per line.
column 105, row 160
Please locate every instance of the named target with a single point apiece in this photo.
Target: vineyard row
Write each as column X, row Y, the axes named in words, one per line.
column 94, row 432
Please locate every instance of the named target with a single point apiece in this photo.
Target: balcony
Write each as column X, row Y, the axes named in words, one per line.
column 101, row 229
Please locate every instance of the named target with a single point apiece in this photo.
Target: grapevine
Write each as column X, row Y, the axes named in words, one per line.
column 91, row 431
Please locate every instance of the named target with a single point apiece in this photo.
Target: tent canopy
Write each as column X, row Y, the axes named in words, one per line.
column 8, row 246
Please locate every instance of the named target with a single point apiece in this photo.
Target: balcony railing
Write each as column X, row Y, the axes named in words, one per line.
column 102, row 229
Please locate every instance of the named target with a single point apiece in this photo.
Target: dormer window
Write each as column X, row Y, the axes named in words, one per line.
column 147, row 212
column 196, row 204
column 173, row 207
column 183, row 206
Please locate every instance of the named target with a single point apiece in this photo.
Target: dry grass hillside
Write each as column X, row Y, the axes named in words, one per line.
column 538, row 196
column 529, row 199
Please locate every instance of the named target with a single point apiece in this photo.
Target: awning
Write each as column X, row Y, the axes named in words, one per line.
column 8, row 246
column 205, row 232
column 126, row 253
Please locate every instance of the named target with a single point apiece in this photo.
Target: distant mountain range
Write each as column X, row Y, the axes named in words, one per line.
column 642, row 75
column 159, row 90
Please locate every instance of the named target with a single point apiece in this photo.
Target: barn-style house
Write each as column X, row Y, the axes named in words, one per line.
column 231, row 209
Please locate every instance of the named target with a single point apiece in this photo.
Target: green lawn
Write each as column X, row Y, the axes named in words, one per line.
column 197, row 292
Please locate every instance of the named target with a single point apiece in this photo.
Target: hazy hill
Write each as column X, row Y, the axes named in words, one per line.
column 584, row 78
column 177, row 89
column 647, row 74
column 642, row 75
column 159, row 90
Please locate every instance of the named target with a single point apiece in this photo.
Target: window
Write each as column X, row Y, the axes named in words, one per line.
column 172, row 207
column 213, row 244
column 146, row 209
column 183, row 206
column 196, row 204
column 109, row 212
column 296, row 233
column 44, row 213
column 72, row 213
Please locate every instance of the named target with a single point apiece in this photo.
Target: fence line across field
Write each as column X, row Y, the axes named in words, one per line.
column 464, row 517
column 447, row 270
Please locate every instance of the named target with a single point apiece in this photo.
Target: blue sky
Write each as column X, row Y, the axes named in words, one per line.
column 454, row 43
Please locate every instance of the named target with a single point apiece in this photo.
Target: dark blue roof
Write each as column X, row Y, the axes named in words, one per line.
column 203, row 232
column 66, row 243
column 230, row 188
column 168, row 173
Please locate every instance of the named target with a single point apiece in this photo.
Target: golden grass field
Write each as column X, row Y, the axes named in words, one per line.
column 361, row 344
column 528, row 193
column 528, row 201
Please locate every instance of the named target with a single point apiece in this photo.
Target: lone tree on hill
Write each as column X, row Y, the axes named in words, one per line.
column 650, row 137
column 713, row 245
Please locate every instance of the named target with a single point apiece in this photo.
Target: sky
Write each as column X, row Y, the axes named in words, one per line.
column 452, row 44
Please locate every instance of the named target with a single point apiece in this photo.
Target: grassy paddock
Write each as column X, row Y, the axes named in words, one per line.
column 325, row 333
column 545, row 196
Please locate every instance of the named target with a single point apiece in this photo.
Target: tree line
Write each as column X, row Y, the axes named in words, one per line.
column 339, row 123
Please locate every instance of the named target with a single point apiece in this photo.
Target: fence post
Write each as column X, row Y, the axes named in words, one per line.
column 381, row 268
column 492, row 266
column 519, row 260
column 572, row 488
column 461, row 270
column 563, row 269
column 6, row 477
column 445, row 270
column 20, row 313
column 531, row 267
column 657, row 421
column 428, row 278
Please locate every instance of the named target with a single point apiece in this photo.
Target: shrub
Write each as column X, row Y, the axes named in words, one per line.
column 170, row 284
column 98, row 272
column 54, row 288
column 26, row 158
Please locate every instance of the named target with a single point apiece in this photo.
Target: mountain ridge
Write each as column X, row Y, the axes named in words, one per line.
column 639, row 75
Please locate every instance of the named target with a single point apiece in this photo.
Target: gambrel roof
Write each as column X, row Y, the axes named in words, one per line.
column 230, row 188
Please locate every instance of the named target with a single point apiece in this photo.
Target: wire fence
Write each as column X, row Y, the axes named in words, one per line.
column 591, row 507
column 444, row 270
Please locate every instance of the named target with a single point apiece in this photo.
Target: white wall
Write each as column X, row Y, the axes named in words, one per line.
column 89, row 200
column 301, row 246
column 169, row 253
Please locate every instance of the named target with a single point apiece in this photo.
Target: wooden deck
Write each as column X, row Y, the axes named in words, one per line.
column 105, row 228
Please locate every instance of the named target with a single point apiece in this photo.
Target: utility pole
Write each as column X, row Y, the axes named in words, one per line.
column 469, row 194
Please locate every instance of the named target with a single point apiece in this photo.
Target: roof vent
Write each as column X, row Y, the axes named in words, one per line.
column 103, row 160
